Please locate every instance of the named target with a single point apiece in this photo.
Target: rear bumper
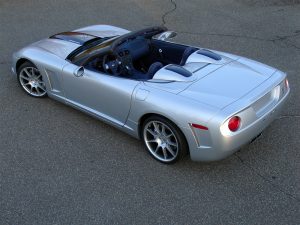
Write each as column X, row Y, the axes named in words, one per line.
column 224, row 145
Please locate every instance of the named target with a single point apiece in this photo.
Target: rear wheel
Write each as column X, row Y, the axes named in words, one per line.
column 163, row 139
column 31, row 80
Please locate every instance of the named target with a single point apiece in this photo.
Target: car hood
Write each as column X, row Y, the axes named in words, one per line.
column 228, row 83
column 67, row 42
column 57, row 47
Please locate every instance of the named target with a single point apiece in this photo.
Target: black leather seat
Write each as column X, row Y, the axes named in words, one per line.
column 187, row 52
column 149, row 75
column 153, row 69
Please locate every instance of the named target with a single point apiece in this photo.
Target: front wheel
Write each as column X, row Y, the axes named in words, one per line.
column 31, row 80
column 163, row 139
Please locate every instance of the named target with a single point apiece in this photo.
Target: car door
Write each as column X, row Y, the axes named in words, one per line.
column 105, row 96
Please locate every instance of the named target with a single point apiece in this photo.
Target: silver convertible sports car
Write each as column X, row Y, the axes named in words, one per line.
column 177, row 98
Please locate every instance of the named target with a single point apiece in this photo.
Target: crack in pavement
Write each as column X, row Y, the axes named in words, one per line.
column 224, row 35
column 291, row 44
column 288, row 117
column 163, row 18
column 265, row 178
column 274, row 40
column 279, row 38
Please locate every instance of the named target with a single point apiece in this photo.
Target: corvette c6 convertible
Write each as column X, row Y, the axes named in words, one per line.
column 177, row 98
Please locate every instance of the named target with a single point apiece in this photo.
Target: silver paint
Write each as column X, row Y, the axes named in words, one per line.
column 216, row 91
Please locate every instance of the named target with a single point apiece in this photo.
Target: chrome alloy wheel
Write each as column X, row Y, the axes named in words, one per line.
column 31, row 80
column 160, row 141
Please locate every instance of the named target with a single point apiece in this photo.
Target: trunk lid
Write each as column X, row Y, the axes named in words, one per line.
column 228, row 83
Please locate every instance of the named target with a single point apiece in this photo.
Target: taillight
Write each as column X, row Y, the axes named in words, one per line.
column 234, row 123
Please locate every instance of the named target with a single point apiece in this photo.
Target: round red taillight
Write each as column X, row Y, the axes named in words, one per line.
column 234, row 123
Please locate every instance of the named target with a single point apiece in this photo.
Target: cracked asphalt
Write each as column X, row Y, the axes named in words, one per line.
column 60, row 166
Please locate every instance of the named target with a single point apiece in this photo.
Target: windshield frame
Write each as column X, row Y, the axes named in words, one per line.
column 110, row 44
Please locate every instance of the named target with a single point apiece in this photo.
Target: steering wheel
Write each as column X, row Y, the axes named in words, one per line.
column 126, row 61
column 111, row 66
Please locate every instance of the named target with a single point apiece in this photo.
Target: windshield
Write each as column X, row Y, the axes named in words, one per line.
column 90, row 48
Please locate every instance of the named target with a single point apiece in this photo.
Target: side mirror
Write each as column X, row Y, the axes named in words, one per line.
column 166, row 35
column 78, row 72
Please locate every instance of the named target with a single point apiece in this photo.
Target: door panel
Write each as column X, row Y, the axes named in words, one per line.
column 107, row 96
column 168, row 51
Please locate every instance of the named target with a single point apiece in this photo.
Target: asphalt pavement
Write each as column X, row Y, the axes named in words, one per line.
column 60, row 166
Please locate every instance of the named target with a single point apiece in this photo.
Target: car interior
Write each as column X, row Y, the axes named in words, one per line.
column 139, row 57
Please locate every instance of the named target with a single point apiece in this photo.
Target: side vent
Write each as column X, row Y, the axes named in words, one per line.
column 54, row 81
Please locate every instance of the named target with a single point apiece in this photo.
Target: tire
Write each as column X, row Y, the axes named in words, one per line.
column 163, row 140
column 31, row 80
